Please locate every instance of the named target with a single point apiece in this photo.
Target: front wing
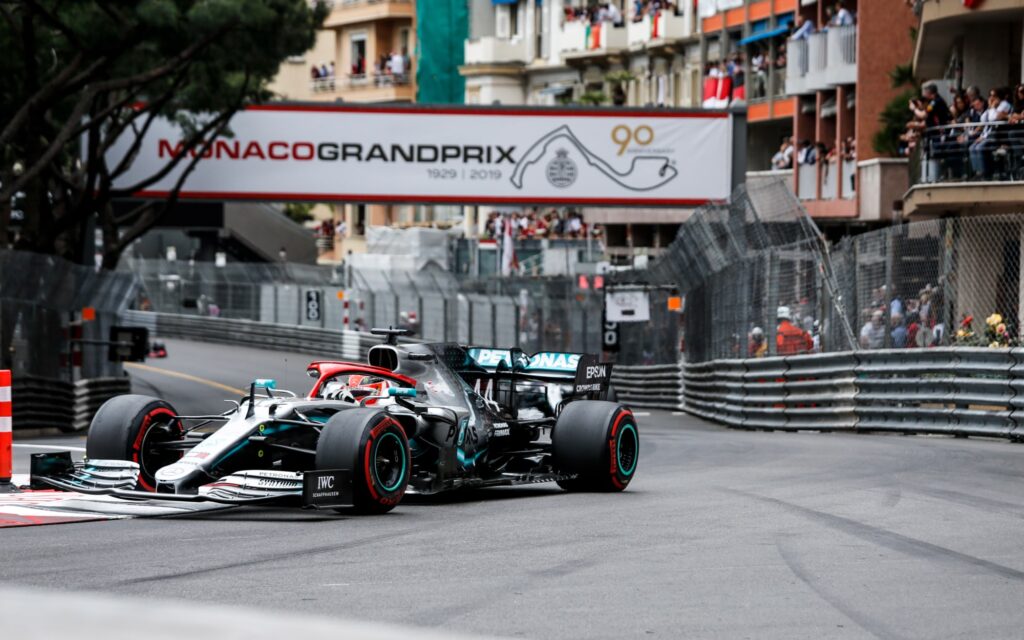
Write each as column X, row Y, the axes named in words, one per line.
column 311, row 489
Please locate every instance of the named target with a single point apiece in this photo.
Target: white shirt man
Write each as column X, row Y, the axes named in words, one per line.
column 397, row 64
column 804, row 30
column 843, row 18
column 612, row 14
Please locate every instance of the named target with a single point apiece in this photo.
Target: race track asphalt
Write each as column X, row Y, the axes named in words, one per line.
column 723, row 534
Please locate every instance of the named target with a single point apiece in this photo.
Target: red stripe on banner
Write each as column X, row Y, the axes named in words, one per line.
column 5, row 409
column 494, row 111
column 5, row 378
column 360, row 197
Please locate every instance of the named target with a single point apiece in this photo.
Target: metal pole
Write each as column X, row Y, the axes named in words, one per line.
column 773, row 301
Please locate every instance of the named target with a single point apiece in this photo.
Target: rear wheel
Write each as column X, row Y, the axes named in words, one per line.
column 375, row 448
column 133, row 427
column 598, row 442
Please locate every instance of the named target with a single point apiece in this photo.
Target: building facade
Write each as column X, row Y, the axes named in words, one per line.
column 963, row 45
column 377, row 52
column 827, row 86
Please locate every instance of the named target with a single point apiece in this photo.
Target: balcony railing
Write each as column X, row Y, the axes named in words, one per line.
column 661, row 25
column 598, row 37
column 359, row 80
column 821, row 181
column 490, row 49
column 971, row 152
column 822, row 60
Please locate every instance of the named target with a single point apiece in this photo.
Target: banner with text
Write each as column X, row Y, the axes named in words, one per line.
column 451, row 155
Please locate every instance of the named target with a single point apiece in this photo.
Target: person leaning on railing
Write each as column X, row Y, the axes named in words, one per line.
column 982, row 149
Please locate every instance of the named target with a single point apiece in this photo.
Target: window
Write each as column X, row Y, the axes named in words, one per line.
column 357, row 54
column 513, row 19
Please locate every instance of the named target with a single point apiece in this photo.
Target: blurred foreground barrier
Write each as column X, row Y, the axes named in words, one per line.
column 960, row 391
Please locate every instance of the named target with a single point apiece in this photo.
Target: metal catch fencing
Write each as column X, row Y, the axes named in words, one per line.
column 42, row 331
column 760, row 281
column 533, row 314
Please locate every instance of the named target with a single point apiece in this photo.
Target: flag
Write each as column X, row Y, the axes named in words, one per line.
column 509, row 263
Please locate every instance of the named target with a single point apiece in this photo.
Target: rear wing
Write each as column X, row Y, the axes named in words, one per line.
column 547, row 364
column 588, row 376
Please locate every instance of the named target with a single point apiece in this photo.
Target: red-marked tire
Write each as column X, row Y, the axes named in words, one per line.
column 374, row 446
column 127, row 428
column 599, row 443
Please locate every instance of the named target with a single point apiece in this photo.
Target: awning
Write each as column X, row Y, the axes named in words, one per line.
column 781, row 29
column 554, row 90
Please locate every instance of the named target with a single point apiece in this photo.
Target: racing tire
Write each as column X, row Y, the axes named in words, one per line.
column 597, row 441
column 125, row 426
column 374, row 446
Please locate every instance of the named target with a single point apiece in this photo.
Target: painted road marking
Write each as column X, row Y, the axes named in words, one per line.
column 185, row 376
column 49, row 446
column 641, row 413
column 679, row 413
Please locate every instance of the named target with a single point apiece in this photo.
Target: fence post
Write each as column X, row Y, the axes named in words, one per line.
column 771, row 278
column 6, row 462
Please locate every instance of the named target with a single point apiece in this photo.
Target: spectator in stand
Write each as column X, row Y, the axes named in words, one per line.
column 780, row 56
column 806, row 154
column 1017, row 116
column 804, row 28
column 980, row 151
column 314, row 73
column 959, row 111
column 898, row 332
column 759, row 65
column 842, row 16
column 913, row 326
column 397, row 65
column 932, row 110
column 872, row 334
column 790, row 339
column 783, row 158
column 612, row 14
column 758, row 346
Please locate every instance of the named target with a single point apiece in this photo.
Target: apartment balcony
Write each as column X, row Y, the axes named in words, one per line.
column 494, row 50
column 657, row 29
column 822, row 61
column 828, row 189
column 944, row 23
column 348, row 12
column 581, row 40
column 366, row 87
column 959, row 170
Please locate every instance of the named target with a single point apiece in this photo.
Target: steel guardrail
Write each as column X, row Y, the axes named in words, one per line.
column 959, row 391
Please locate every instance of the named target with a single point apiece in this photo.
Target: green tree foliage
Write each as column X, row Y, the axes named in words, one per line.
column 81, row 74
column 895, row 115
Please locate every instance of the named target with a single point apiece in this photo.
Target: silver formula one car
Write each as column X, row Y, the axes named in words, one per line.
column 420, row 418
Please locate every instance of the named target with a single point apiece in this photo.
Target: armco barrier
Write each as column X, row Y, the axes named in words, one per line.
column 90, row 394
column 957, row 391
column 649, row 387
column 42, row 403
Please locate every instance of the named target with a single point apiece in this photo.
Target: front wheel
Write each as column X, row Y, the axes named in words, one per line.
column 133, row 427
column 375, row 448
column 599, row 443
